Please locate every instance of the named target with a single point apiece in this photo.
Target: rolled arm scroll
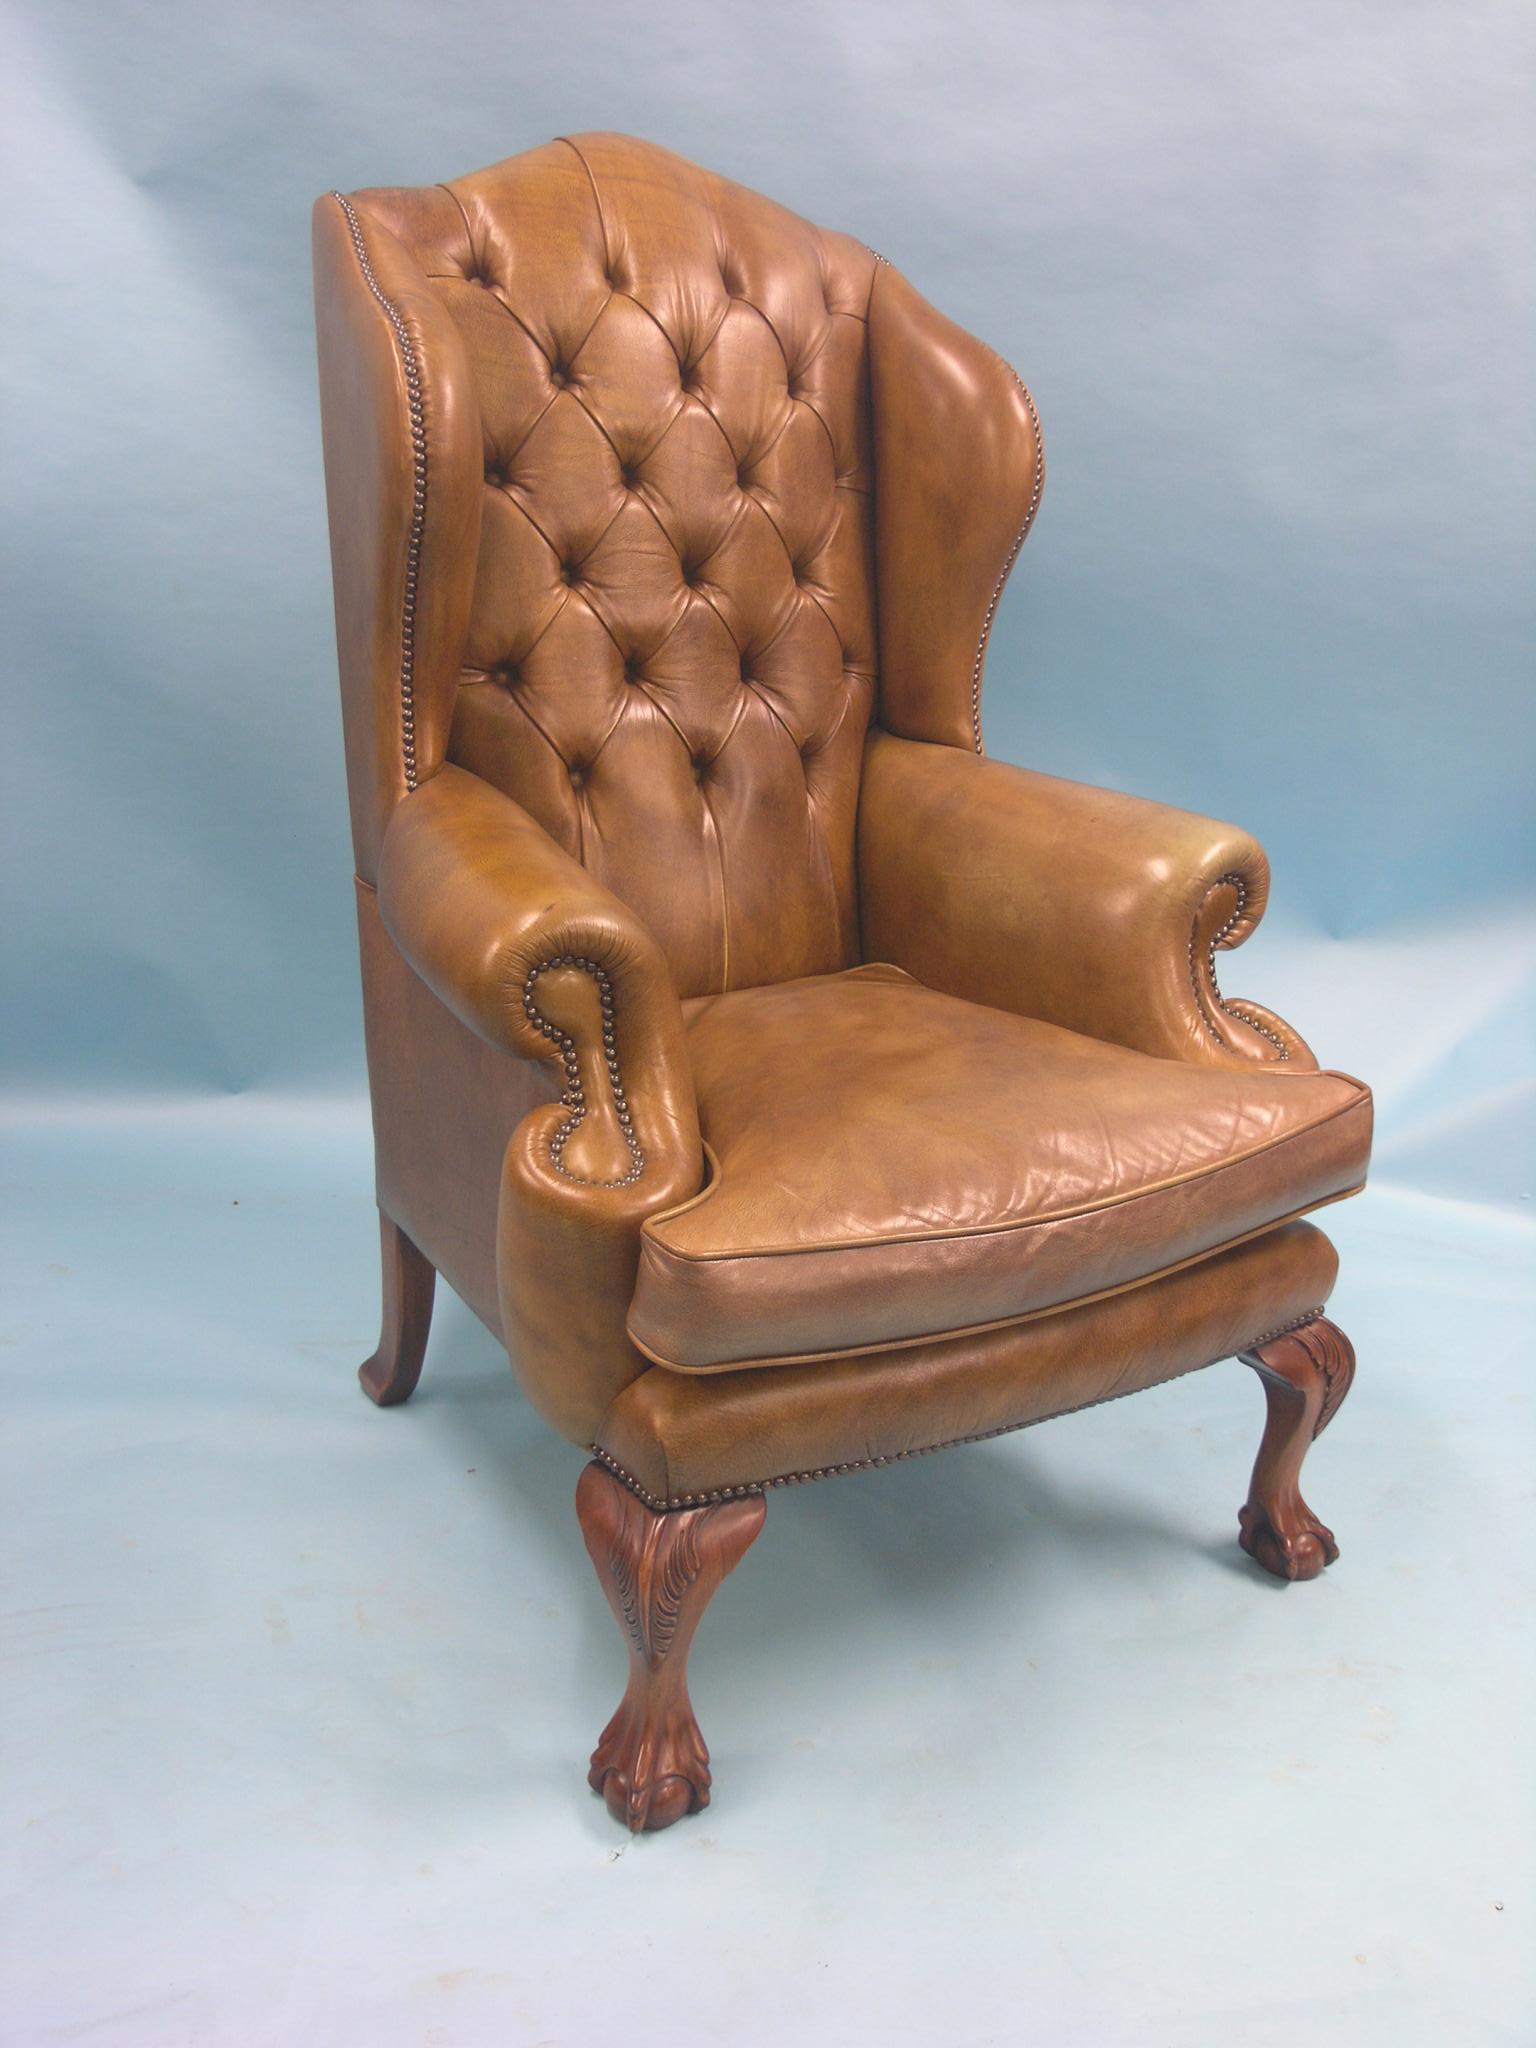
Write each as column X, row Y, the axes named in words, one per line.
column 537, row 956
column 1084, row 907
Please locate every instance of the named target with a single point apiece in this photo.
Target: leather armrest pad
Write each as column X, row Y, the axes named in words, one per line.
column 532, row 952
column 1084, row 907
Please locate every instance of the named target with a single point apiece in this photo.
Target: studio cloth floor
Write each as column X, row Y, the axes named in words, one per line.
column 1010, row 1744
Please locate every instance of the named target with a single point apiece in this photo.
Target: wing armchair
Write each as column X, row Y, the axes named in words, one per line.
column 791, row 1087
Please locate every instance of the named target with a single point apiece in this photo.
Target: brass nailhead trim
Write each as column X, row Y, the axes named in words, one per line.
column 1012, row 556
column 418, row 497
column 1244, row 1017
column 724, row 1493
column 572, row 1098
column 1285, row 1329
column 1231, row 1009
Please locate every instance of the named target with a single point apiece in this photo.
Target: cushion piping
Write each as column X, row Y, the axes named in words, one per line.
column 766, row 1361
column 652, row 1225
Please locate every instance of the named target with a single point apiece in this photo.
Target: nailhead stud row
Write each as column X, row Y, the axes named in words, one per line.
column 724, row 1493
column 418, row 495
column 1012, row 556
column 1285, row 1329
column 1254, row 1024
column 573, row 1098
column 1232, row 1010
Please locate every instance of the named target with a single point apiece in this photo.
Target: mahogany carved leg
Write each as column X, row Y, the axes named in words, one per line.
column 660, row 1572
column 1306, row 1374
column 390, row 1376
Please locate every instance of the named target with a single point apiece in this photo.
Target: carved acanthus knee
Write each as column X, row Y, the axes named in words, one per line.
column 659, row 1572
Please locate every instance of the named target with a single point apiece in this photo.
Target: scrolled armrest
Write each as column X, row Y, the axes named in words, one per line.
column 1083, row 907
column 532, row 952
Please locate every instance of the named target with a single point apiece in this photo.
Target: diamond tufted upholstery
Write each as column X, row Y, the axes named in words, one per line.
column 670, row 656
column 791, row 1087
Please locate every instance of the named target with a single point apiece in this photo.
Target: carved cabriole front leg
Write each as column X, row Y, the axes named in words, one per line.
column 1306, row 1374
column 659, row 1572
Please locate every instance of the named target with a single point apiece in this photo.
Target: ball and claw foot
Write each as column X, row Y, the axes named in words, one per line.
column 1306, row 1373
column 659, row 1572
column 650, row 1774
column 1299, row 1548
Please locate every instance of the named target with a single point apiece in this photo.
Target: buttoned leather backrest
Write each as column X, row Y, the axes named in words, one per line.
column 670, row 648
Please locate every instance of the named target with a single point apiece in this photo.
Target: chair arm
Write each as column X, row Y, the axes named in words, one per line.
column 534, row 954
column 1083, row 907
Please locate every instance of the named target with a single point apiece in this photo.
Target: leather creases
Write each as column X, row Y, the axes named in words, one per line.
column 790, row 1086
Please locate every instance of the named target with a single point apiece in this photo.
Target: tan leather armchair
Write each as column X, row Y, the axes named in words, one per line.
column 792, row 1088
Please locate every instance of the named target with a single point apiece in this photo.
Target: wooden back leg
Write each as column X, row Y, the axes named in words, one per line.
column 390, row 1376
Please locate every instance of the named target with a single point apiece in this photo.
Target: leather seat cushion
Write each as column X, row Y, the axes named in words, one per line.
column 891, row 1164
column 679, row 1437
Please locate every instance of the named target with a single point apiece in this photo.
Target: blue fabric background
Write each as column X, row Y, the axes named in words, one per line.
column 1011, row 1745
column 1263, row 268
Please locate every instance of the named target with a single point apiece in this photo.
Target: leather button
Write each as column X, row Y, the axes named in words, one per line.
column 570, row 572
column 578, row 777
column 700, row 767
column 556, row 374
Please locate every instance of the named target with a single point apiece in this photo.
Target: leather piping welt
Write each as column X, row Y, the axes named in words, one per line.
column 1231, row 1009
column 572, row 1098
column 1008, row 561
column 751, row 1486
column 418, row 494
